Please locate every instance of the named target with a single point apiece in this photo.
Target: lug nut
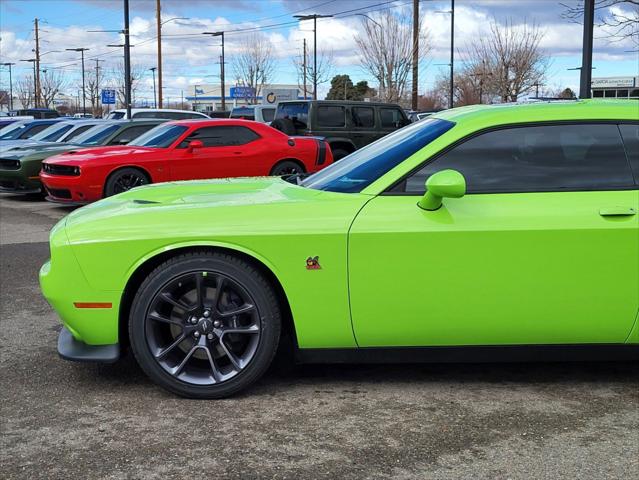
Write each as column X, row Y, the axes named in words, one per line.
column 210, row 336
column 217, row 323
column 193, row 320
column 197, row 334
column 207, row 313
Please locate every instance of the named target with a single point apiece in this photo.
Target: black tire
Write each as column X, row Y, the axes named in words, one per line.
column 206, row 376
column 339, row 153
column 125, row 179
column 287, row 167
column 284, row 125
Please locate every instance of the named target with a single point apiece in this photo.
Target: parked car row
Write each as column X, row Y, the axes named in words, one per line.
column 80, row 161
column 97, row 163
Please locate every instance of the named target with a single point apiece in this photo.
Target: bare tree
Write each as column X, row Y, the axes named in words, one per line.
column 51, row 83
column 254, row 63
column 95, row 80
column 25, row 91
column 513, row 57
column 324, row 69
column 118, row 79
column 619, row 19
column 386, row 48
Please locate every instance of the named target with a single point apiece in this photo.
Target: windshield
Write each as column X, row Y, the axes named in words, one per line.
column 161, row 136
column 52, row 133
column 96, row 135
column 243, row 112
column 358, row 170
column 12, row 131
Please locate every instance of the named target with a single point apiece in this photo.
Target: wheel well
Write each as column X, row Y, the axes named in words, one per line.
column 144, row 171
column 136, row 279
column 342, row 146
column 295, row 160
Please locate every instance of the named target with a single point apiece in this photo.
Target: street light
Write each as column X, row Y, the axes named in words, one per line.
column 159, row 35
column 84, row 96
column 220, row 34
column 155, row 99
column 313, row 17
column 9, row 64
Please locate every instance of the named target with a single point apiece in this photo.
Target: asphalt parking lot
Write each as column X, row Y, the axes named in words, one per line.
column 69, row 420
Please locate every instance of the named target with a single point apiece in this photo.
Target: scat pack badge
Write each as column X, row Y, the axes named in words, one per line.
column 312, row 263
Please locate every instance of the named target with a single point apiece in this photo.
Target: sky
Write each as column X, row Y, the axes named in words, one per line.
column 190, row 58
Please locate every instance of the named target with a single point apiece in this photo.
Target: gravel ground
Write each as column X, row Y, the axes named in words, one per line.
column 68, row 420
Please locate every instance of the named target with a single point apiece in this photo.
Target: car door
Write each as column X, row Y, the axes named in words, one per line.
column 543, row 248
column 363, row 121
column 224, row 153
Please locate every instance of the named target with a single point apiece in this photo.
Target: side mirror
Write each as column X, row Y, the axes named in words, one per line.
column 193, row 144
column 442, row 184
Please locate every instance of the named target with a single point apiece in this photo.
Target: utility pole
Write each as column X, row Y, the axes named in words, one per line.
column 158, row 14
column 9, row 64
column 304, row 69
column 97, row 85
column 415, row 53
column 585, row 80
column 84, row 91
column 313, row 17
column 155, row 98
column 222, row 86
column 127, row 61
column 37, row 63
column 452, row 53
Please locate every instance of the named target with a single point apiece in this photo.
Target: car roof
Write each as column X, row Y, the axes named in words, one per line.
column 557, row 110
column 344, row 102
column 214, row 122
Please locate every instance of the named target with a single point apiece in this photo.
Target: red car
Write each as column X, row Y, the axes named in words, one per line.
column 182, row 150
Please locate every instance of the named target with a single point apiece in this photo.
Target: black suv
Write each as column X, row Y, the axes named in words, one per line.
column 345, row 125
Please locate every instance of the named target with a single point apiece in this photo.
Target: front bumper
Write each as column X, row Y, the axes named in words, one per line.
column 71, row 349
column 89, row 314
column 19, row 181
column 70, row 189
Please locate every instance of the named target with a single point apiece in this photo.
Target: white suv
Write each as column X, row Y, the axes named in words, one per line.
column 167, row 113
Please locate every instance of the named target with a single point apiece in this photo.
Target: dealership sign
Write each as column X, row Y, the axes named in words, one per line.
column 613, row 82
column 242, row 92
column 108, row 97
column 274, row 95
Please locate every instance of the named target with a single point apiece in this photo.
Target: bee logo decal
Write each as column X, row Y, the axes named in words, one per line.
column 312, row 263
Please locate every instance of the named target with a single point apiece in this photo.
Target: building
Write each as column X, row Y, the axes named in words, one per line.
column 207, row 97
column 615, row 87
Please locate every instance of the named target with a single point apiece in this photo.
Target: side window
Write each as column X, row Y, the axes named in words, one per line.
column 77, row 132
column 630, row 135
column 331, row 116
column 221, row 136
column 128, row 134
column 268, row 114
column 363, row 116
column 391, row 118
column 536, row 159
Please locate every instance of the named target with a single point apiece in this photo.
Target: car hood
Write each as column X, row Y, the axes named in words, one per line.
column 175, row 198
column 13, row 145
column 83, row 154
column 25, row 150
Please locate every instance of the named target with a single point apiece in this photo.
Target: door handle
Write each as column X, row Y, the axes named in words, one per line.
column 617, row 212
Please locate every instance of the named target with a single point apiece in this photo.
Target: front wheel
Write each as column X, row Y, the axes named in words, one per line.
column 125, row 179
column 205, row 325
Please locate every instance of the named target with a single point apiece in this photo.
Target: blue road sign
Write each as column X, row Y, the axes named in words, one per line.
column 108, row 97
